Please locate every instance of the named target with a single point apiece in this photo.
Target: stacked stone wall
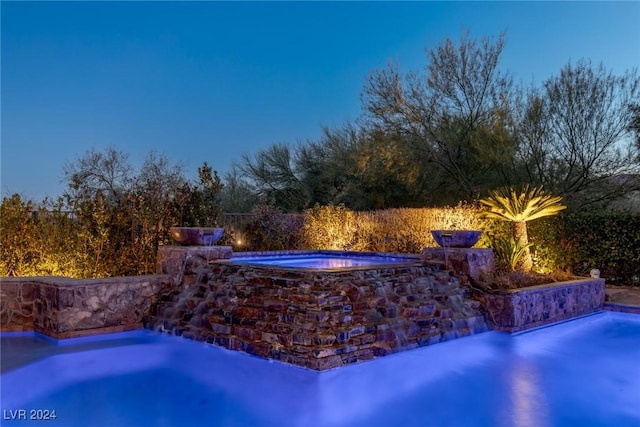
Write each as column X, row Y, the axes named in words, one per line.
column 173, row 260
column 470, row 264
column 318, row 320
column 520, row 309
column 63, row 308
column 16, row 304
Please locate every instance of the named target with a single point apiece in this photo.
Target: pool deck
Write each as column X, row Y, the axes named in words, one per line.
column 622, row 298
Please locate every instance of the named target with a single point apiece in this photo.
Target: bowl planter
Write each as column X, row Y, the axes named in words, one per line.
column 456, row 238
column 196, row 236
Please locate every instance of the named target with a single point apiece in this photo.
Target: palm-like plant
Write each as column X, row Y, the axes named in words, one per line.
column 508, row 252
column 519, row 207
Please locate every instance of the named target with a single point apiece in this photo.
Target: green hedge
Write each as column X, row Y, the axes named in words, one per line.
column 608, row 241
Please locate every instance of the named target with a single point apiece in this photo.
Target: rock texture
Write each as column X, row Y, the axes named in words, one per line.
column 314, row 319
column 16, row 304
column 172, row 260
column 520, row 309
column 63, row 308
column 468, row 263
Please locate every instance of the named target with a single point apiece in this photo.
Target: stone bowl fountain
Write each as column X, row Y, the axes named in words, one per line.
column 456, row 238
column 196, row 236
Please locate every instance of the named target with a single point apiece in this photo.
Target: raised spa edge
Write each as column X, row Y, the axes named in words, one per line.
column 278, row 260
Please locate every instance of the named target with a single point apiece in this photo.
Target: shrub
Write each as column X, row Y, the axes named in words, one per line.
column 577, row 242
column 47, row 240
column 99, row 239
column 270, row 229
column 399, row 230
column 331, row 227
column 390, row 230
column 508, row 252
column 609, row 241
column 17, row 228
column 95, row 231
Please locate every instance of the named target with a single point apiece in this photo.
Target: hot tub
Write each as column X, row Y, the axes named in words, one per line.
column 318, row 309
column 325, row 260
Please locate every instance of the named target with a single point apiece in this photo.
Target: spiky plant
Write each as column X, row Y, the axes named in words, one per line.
column 508, row 252
column 519, row 207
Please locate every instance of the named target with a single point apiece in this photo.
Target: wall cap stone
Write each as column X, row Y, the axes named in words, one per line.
column 550, row 285
column 68, row 281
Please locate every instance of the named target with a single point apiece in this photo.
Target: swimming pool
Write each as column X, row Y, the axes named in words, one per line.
column 584, row 372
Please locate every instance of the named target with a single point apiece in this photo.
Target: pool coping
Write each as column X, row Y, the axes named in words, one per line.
column 622, row 307
column 625, row 299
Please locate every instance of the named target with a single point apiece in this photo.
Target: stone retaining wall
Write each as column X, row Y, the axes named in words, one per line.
column 520, row 309
column 62, row 308
column 16, row 304
column 316, row 319
column 468, row 263
column 172, row 259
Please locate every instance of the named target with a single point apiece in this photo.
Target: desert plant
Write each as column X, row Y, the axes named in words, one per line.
column 508, row 252
column 519, row 207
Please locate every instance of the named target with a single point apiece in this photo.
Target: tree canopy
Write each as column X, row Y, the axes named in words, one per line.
column 459, row 128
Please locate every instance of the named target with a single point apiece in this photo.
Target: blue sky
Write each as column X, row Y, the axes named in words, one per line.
column 209, row 81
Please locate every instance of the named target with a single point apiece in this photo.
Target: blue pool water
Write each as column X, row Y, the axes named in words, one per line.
column 325, row 260
column 580, row 373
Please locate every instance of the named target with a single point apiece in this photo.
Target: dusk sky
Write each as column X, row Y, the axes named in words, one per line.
column 209, row 81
